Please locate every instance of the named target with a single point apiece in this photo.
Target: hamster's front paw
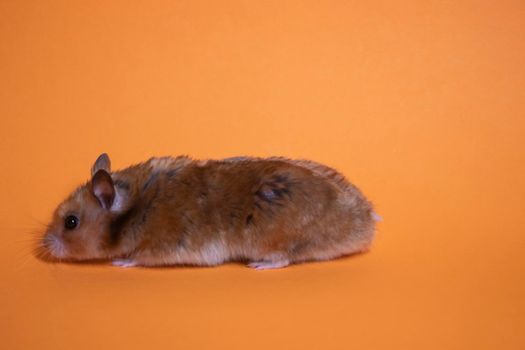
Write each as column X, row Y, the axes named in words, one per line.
column 124, row 262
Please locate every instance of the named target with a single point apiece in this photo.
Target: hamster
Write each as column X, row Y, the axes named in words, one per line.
column 267, row 212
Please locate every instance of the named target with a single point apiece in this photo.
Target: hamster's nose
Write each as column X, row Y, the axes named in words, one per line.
column 55, row 245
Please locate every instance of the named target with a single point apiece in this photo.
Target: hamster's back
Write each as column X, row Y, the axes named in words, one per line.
column 303, row 208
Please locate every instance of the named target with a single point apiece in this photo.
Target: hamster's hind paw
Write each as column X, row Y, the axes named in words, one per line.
column 124, row 263
column 266, row 265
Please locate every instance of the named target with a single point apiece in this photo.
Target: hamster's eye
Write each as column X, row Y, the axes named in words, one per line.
column 71, row 222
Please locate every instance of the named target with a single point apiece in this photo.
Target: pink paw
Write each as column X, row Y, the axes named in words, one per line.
column 124, row 263
column 266, row 265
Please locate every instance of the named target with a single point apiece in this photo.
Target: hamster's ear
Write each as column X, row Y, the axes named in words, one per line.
column 102, row 163
column 103, row 188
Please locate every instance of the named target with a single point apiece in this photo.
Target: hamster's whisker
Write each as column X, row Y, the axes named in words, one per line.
column 30, row 239
column 41, row 223
column 24, row 259
column 41, row 253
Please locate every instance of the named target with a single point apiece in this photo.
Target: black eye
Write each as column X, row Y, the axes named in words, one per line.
column 71, row 222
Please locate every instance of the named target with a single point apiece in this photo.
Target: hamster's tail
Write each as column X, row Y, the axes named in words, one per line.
column 376, row 217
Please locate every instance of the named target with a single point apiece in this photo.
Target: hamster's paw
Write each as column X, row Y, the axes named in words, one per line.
column 266, row 265
column 124, row 263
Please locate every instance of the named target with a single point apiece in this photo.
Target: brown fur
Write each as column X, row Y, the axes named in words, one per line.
column 168, row 211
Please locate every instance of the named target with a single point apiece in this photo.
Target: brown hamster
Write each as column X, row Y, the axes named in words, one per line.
column 166, row 211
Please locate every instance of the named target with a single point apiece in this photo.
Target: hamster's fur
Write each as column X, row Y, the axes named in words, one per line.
column 268, row 212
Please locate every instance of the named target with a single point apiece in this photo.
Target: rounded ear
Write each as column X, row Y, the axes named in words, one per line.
column 102, row 163
column 103, row 188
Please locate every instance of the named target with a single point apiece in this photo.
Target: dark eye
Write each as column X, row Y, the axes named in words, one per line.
column 71, row 222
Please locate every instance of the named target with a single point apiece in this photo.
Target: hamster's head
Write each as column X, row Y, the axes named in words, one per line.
column 80, row 227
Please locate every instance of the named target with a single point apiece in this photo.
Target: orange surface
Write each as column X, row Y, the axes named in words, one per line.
column 420, row 103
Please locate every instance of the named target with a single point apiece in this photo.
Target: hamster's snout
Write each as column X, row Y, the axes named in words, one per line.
column 54, row 245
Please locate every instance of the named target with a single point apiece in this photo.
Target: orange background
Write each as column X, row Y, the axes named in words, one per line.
column 420, row 103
